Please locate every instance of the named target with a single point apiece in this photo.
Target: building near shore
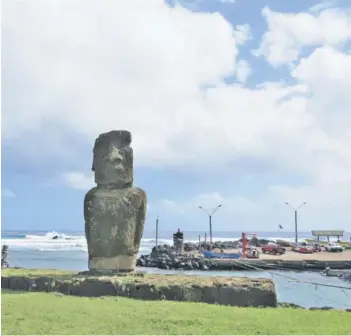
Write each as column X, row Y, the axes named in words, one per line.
column 327, row 234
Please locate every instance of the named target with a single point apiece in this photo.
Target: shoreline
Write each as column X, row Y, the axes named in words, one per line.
column 289, row 261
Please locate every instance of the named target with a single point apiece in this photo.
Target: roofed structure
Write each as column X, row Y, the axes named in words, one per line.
column 328, row 234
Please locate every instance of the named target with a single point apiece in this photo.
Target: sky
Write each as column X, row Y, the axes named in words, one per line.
column 246, row 104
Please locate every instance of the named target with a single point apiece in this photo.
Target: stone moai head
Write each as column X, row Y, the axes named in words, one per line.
column 113, row 159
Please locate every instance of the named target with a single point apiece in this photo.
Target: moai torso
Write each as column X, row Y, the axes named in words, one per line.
column 4, row 253
column 178, row 241
column 114, row 211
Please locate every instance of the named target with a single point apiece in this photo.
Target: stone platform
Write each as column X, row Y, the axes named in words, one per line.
column 231, row 291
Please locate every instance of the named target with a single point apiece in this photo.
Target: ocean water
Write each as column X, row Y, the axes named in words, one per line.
column 69, row 252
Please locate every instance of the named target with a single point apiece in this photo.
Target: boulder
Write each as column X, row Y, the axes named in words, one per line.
column 189, row 247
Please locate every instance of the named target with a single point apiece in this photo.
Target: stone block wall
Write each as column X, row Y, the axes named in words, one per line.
column 244, row 292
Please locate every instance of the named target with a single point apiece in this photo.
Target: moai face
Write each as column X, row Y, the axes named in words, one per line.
column 113, row 159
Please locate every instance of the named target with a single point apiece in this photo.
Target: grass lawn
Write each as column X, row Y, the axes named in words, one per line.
column 49, row 313
column 36, row 272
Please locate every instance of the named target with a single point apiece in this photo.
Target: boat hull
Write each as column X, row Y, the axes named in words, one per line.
column 210, row 254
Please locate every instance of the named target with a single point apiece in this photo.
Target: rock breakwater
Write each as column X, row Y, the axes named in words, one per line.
column 165, row 257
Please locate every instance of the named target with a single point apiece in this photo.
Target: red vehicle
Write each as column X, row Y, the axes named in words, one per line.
column 273, row 249
column 304, row 249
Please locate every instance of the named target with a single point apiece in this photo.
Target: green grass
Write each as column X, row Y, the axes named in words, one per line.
column 27, row 272
column 48, row 313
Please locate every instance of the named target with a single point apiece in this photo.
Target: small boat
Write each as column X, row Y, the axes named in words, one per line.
column 337, row 273
column 211, row 254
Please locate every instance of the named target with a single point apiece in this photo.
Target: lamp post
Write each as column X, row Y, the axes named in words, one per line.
column 157, row 232
column 210, row 214
column 295, row 211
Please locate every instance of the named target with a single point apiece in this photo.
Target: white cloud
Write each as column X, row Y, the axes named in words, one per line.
column 209, row 202
column 228, row 1
column 77, row 180
column 288, row 33
column 195, row 4
column 266, row 211
column 242, row 33
column 7, row 193
column 243, row 71
column 321, row 6
column 141, row 65
column 97, row 71
column 330, row 104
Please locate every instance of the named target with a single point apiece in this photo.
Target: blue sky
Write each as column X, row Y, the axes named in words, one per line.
column 240, row 103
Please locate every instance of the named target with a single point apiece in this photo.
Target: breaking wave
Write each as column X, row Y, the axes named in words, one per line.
column 59, row 241
column 50, row 241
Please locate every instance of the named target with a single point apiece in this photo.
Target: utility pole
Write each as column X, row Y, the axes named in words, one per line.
column 296, row 237
column 210, row 225
column 157, row 232
column 295, row 212
column 210, row 214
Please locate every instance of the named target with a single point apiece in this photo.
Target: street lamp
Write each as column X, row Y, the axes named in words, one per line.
column 295, row 211
column 210, row 219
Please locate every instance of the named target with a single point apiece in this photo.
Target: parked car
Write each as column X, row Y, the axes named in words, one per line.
column 304, row 249
column 333, row 247
column 273, row 249
column 317, row 247
column 314, row 247
column 299, row 244
column 252, row 253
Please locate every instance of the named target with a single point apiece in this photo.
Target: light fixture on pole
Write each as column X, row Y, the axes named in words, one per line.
column 295, row 211
column 210, row 214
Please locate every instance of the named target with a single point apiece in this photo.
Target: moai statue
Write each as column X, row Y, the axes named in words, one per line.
column 4, row 253
column 114, row 210
column 178, row 242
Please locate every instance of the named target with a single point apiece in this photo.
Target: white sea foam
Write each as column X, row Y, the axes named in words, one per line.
column 47, row 242
column 67, row 242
